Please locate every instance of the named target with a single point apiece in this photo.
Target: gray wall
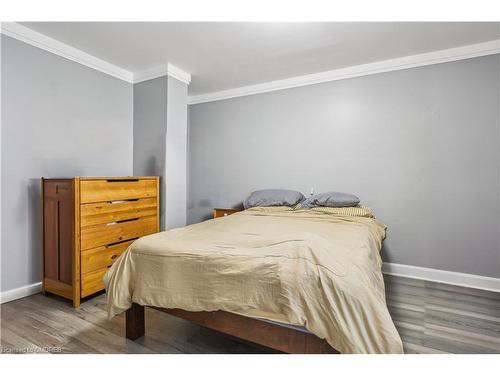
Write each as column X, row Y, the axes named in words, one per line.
column 59, row 119
column 150, row 131
column 420, row 146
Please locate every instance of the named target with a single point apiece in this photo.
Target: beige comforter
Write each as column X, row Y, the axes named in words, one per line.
column 306, row 268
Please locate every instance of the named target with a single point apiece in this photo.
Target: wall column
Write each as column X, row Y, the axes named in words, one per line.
column 175, row 172
column 160, row 140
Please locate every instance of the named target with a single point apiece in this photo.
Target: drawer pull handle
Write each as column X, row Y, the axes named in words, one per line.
column 124, row 180
column 123, row 201
column 122, row 221
column 110, row 266
column 114, row 256
column 119, row 242
column 127, row 220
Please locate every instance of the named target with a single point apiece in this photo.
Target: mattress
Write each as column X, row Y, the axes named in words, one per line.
column 306, row 268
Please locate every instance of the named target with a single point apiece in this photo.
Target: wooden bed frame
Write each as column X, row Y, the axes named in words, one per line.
column 278, row 337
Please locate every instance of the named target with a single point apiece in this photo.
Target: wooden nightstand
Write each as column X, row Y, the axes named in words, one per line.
column 219, row 212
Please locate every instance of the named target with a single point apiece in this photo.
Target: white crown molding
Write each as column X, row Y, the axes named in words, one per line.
column 441, row 276
column 161, row 71
column 54, row 46
column 24, row 291
column 36, row 39
column 178, row 74
column 26, row 35
column 152, row 73
column 413, row 61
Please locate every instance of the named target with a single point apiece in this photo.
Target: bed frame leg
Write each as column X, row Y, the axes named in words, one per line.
column 134, row 322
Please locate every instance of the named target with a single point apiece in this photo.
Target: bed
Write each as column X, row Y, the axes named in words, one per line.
column 299, row 281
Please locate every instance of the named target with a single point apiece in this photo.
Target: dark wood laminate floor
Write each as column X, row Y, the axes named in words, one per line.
column 430, row 317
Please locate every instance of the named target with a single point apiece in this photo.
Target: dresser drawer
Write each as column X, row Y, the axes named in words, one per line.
column 106, row 234
column 92, row 282
column 108, row 212
column 102, row 257
column 116, row 189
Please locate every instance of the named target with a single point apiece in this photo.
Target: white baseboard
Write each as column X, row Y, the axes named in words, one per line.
column 24, row 291
column 441, row 276
column 413, row 272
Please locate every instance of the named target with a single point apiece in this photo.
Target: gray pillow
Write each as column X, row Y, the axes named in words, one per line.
column 331, row 199
column 273, row 197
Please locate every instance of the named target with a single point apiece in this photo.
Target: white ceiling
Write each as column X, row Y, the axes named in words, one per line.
column 223, row 56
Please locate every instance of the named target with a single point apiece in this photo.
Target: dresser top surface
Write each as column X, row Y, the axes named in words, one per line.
column 103, row 178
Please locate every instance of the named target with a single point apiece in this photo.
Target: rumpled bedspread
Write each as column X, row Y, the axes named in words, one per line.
column 306, row 268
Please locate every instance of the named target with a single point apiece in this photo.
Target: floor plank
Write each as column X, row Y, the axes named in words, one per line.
column 430, row 318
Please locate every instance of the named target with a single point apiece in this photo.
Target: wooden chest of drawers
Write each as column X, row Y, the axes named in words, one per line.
column 88, row 222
